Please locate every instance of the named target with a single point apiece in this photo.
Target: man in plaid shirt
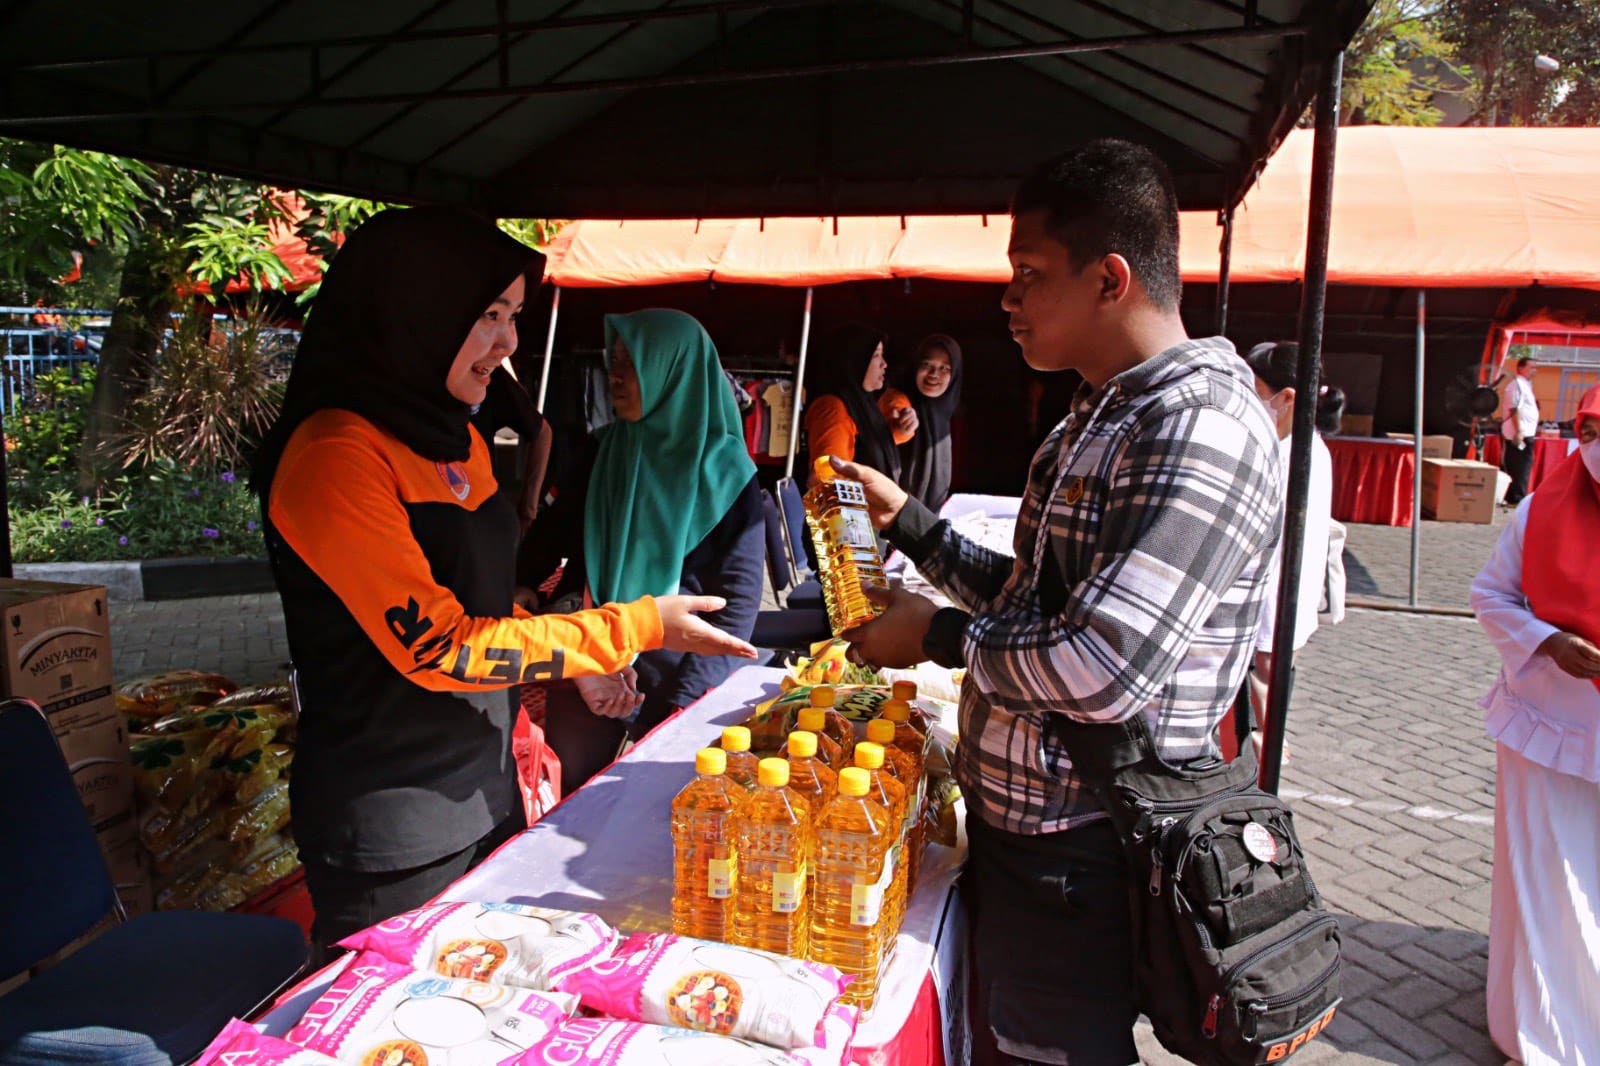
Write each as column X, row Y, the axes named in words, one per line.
column 1143, row 550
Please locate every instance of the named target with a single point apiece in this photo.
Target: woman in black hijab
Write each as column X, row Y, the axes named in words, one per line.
column 394, row 555
column 932, row 379
column 845, row 419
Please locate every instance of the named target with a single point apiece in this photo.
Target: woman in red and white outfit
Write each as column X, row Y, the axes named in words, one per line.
column 1538, row 598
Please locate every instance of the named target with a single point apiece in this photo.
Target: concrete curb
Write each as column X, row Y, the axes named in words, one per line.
column 160, row 579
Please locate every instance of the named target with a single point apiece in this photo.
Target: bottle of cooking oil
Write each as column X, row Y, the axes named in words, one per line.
column 814, row 720
column 772, row 833
column 741, row 761
column 853, row 874
column 907, row 737
column 906, row 691
column 836, row 726
column 704, row 858
column 808, row 775
column 892, row 795
column 847, row 548
column 907, row 769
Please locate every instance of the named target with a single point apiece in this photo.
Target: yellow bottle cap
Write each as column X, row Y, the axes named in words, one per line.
column 812, row 719
column 905, row 690
column 710, row 761
column 896, row 710
column 773, row 773
column 736, row 738
column 823, row 468
column 879, row 731
column 854, row 781
column 823, row 696
column 869, row 756
column 802, row 744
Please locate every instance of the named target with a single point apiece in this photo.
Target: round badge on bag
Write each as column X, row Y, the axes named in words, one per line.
column 1259, row 843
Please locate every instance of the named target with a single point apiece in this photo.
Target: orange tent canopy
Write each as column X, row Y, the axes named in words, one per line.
column 1429, row 207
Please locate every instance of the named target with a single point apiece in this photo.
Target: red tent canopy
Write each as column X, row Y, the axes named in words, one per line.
column 1412, row 207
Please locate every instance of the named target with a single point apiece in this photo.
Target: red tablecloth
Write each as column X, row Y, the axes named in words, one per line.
column 1372, row 480
column 1548, row 453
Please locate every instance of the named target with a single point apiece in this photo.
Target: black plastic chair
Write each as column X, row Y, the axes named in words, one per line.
column 792, row 513
column 154, row 988
column 798, row 625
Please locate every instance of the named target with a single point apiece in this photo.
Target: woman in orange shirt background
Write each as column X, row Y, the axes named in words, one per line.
column 853, row 417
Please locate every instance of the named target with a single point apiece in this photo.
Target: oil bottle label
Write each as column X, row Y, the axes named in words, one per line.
column 788, row 891
column 719, row 878
column 855, row 529
column 866, row 901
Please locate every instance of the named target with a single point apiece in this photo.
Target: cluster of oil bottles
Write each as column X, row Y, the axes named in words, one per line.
column 813, row 855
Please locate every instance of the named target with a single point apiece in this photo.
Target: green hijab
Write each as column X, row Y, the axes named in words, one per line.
column 662, row 483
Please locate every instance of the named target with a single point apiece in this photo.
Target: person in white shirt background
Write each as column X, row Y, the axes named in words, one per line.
column 1274, row 364
column 1538, row 599
column 1520, row 426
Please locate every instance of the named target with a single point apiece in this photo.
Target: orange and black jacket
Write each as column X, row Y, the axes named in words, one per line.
column 397, row 574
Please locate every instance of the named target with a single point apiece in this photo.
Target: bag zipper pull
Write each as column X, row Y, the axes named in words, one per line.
column 1208, row 1028
column 1155, row 871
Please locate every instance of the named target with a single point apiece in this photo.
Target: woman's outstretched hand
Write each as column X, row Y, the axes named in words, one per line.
column 683, row 630
column 611, row 695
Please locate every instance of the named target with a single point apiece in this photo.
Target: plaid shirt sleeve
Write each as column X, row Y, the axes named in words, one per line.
column 1191, row 500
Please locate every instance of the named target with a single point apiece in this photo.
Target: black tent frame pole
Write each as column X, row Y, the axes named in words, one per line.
column 5, row 509
column 1313, row 306
column 1224, row 269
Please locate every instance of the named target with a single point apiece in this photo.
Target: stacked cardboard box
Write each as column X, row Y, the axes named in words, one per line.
column 1434, row 445
column 55, row 649
column 1458, row 490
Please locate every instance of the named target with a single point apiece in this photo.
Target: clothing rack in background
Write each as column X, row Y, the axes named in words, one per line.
column 766, row 401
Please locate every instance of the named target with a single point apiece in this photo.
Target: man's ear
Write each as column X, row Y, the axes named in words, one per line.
column 1116, row 278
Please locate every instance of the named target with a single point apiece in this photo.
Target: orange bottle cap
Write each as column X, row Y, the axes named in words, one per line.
column 823, row 696
column 879, row 731
column 896, row 710
column 869, row 756
column 773, row 773
column 812, row 719
column 904, row 690
column 854, row 781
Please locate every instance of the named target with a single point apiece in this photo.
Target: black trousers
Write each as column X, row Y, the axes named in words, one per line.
column 348, row 901
column 1052, row 942
column 1518, row 465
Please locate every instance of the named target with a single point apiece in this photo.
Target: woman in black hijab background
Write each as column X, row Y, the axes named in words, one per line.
column 843, row 418
column 932, row 380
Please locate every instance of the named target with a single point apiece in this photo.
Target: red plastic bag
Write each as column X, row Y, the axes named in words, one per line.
column 538, row 769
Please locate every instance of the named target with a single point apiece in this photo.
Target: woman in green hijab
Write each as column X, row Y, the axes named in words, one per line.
column 672, row 503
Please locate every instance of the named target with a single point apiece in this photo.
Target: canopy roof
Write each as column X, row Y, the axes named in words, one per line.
column 622, row 108
column 1430, row 207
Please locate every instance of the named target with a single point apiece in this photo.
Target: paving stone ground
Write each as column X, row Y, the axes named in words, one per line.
column 1391, row 778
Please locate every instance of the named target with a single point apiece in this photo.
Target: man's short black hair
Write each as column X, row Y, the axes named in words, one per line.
column 1111, row 196
column 1522, row 362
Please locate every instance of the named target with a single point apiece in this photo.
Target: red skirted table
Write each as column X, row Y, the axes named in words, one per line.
column 1548, row 453
column 1372, row 480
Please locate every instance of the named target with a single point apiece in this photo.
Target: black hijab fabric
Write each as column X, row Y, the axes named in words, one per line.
column 393, row 310
column 846, row 354
column 925, row 458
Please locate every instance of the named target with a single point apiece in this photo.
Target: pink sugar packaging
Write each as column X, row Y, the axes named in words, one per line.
column 381, row 1013
column 610, row 1042
column 499, row 943
column 240, row 1044
column 715, row 988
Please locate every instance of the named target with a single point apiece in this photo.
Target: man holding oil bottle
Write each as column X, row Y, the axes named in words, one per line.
column 1143, row 550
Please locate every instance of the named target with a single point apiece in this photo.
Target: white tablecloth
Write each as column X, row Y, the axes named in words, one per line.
column 607, row 849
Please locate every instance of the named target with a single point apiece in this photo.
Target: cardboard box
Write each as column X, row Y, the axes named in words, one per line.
column 1434, row 445
column 1355, row 426
column 1458, row 490
column 97, row 756
column 129, row 864
column 55, row 648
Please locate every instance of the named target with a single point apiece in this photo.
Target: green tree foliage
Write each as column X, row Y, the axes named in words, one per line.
column 1501, row 40
column 55, row 201
column 1397, row 66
